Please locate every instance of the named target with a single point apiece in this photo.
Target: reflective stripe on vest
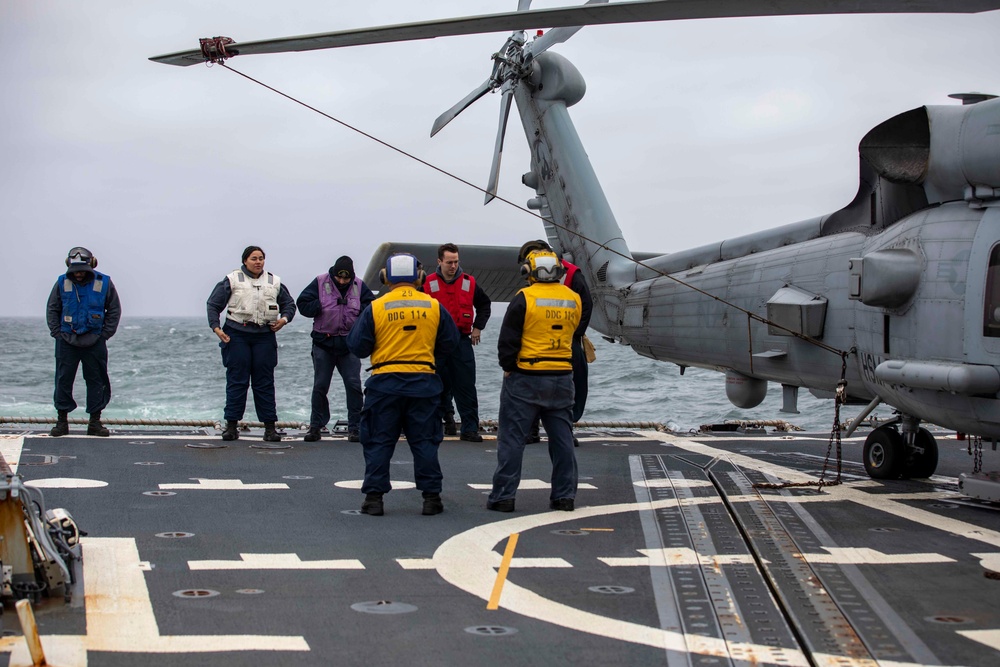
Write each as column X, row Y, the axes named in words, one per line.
column 552, row 313
column 83, row 305
column 456, row 297
column 336, row 318
column 253, row 300
column 406, row 325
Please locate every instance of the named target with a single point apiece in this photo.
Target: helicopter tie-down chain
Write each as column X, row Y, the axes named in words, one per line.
column 841, row 399
column 976, row 452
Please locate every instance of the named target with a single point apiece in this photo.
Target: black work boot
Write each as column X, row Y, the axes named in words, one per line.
column 62, row 424
column 450, row 427
column 373, row 505
column 95, row 427
column 432, row 504
column 313, row 434
column 270, row 433
column 232, row 431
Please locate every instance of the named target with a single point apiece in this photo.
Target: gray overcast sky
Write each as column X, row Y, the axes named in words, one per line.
column 698, row 130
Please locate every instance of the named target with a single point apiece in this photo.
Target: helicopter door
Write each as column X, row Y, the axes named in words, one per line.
column 982, row 317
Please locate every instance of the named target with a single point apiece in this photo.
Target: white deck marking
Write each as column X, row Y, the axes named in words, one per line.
column 428, row 563
column 529, row 485
column 65, row 483
column 275, row 562
column 356, row 484
column 989, row 561
column 990, row 638
column 836, row 556
column 120, row 616
column 223, row 485
column 10, row 448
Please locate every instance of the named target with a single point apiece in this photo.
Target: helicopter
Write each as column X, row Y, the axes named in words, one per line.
column 862, row 304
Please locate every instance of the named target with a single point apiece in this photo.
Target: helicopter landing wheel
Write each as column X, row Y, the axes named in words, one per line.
column 884, row 453
column 923, row 463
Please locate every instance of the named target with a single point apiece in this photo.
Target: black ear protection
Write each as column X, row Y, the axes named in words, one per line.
column 83, row 255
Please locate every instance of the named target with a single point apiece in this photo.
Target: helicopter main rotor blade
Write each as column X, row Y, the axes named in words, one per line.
column 620, row 12
column 558, row 35
column 462, row 105
column 505, row 103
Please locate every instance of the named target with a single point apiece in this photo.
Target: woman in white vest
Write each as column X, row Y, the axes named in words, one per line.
column 256, row 305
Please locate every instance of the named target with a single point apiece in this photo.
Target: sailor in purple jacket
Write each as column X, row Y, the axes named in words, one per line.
column 334, row 300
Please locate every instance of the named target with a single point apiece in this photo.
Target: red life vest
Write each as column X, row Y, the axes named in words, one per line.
column 571, row 270
column 456, row 297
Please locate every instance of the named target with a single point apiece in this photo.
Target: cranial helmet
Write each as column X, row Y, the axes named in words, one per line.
column 80, row 259
column 543, row 266
column 522, row 254
column 402, row 268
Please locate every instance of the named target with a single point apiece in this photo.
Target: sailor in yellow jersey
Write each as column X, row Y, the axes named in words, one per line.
column 535, row 352
column 402, row 331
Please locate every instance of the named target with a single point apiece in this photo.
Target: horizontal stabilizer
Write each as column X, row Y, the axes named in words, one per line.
column 495, row 267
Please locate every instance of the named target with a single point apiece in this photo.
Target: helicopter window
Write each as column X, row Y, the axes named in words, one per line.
column 991, row 315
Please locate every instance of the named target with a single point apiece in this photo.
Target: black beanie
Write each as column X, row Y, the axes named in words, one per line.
column 344, row 263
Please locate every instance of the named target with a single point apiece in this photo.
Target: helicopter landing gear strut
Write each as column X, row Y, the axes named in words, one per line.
column 901, row 448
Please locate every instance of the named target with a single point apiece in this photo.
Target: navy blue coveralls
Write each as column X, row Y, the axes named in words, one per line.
column 250, row 356
column 525, row 397
column 328, row 353
column 407, row 403
column 88, row 347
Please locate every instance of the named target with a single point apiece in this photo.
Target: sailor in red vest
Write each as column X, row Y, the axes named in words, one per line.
column 334, row 299
column 469, row 307
column 403, row 331
column 574, row 280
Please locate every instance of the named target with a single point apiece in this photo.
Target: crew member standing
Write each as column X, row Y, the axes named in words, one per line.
column 469, row 307
column 573, row 278
column 534, row 352
column 83, row 312
column 334, row 300
column 403, row 331
column 256, row 305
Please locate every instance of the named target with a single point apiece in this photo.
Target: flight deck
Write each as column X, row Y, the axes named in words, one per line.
column 683, row 550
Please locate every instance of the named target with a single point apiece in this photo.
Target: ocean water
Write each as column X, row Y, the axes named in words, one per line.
column 168, row 368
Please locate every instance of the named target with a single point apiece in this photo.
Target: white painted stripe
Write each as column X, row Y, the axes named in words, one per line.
column 990, row 561
column 357, row 483
column 222, row 485
column 989, row 637
column 865, row 556
column 672, row 483
column 10, row 448
column 275, row 562
column 682, row 556
column 428, row 563
column 529, row 485
column 65, row 483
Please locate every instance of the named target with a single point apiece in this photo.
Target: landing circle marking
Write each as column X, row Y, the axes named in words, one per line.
column 356, row 484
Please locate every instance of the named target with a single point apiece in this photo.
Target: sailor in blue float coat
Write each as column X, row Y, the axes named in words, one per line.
column 402, row 331
column 82, row 313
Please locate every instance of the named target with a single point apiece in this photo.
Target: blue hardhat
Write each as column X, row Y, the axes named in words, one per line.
column 402, row 268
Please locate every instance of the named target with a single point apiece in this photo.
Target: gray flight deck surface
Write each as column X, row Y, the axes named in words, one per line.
column 243, row 556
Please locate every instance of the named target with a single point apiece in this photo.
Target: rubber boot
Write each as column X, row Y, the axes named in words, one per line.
column 270, row 433
column 432, row 504
column 232, row 431
column 373, row 505
column 62, row 425
column 95, row 427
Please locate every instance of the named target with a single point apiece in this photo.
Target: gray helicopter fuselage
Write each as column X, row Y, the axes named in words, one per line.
column 901, row 278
